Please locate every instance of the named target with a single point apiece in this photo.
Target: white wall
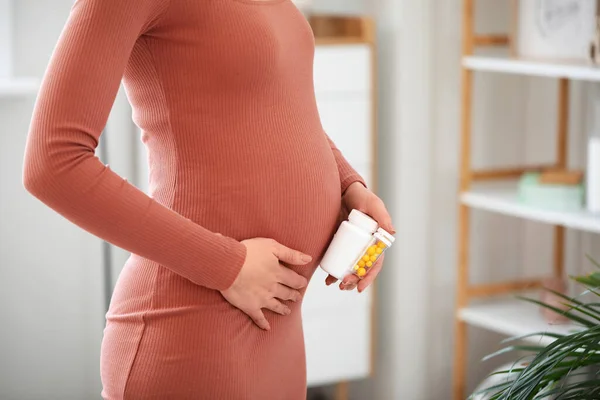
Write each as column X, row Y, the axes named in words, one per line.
column 52, row 318
column 51, row 295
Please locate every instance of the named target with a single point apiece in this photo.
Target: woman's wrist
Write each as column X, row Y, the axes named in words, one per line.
column 354, row 186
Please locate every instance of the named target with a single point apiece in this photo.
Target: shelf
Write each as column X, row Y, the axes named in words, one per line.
column 581, row 71
column 18, row 87
column 341, row 30
column 513, row 318
column 504, row 201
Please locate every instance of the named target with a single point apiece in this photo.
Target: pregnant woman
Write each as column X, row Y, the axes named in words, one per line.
column 246, row 189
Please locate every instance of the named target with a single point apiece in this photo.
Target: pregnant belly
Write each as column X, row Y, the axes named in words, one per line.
column 291, row 197
column 291, row 194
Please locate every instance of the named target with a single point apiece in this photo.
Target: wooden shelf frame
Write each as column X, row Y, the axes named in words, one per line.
column 342, row 30
column 466, row 292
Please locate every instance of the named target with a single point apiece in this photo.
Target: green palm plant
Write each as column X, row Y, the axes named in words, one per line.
column 566, row 369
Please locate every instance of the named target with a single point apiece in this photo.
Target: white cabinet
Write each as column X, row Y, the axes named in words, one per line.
column 340, row 69
column 347, row 120
column 343, row 86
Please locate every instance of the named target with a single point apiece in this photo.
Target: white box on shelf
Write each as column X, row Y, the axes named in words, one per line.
column 555, row 29
column 5, row 38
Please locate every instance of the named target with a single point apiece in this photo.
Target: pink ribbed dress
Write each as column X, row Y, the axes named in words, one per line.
column 223, row 92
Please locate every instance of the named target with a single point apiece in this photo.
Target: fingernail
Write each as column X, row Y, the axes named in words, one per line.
column 288, row 311
column 306, row 258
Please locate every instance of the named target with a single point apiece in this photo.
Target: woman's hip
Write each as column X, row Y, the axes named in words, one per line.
column 188, row 355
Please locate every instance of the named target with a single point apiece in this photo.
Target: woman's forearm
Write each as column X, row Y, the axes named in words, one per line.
column 61, row 168
column 348, row 175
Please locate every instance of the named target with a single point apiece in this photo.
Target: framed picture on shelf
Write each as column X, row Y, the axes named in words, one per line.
column 553, row 30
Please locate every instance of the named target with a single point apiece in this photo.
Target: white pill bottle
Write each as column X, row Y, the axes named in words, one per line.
column 356, row 246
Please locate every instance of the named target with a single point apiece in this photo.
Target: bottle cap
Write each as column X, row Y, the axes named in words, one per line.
column 385, row 236
column 362, row 221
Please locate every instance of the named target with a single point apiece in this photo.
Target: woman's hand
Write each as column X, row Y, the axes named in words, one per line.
column 362, row 199
column 263, row 282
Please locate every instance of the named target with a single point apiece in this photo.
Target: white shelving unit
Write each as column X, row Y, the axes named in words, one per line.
column 483, row 305
column 504, row 201
column 513, row 318
column 583, row 71
column 18, row 87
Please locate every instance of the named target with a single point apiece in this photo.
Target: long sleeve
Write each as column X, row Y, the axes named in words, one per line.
column 61, row 168
column 347, row 174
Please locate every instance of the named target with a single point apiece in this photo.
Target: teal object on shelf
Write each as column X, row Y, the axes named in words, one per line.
column 549, row 196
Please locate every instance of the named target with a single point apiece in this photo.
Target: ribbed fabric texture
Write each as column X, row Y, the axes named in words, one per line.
column 223, row 92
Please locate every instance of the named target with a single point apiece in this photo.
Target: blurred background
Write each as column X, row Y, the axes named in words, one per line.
column 401, row 87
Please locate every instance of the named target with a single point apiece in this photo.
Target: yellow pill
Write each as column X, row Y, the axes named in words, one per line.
column 366, row 258
column 356, row 267
column 379, row 251
column 373, row 258
column 371, row 251
column 361, row 263
column 381, row 245
column 369, row 264
column 361, row 272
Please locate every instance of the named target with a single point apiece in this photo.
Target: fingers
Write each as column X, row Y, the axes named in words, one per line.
column 330, row 280
column 289, row 278
column 352, row 282
column 367, row 280
column 347, row 286
column 277, row 307
column 349, row 282
column 259, row 319
column 290, row 256
column 285, row 293
column 351, row 279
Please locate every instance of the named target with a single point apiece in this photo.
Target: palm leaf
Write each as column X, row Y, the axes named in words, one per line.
column 571, row 315
column 550, row 368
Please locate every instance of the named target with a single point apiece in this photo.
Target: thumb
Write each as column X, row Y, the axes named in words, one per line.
column 290, row 256
column 382, row 216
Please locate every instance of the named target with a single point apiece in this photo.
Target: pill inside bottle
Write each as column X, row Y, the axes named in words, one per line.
column 382, row 240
